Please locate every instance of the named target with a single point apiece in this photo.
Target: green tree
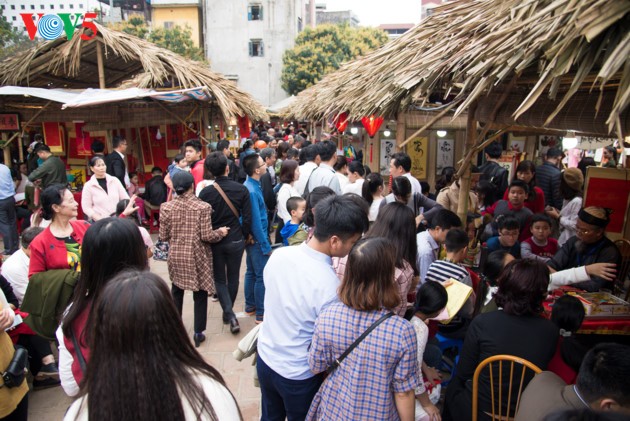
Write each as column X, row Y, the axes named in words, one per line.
column 322, row 50
column 12, row 40
column 177, row 39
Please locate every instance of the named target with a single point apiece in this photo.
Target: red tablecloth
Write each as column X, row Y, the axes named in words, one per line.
column 618, row 325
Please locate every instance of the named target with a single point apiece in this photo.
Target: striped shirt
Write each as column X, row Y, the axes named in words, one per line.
column 443, row 270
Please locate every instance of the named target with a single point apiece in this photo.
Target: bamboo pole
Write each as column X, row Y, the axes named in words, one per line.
column 429, row 124
column 99, row 63
column 464, row 184
column 178, row 118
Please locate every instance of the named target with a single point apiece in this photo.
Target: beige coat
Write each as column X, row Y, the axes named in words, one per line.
column 448, row 197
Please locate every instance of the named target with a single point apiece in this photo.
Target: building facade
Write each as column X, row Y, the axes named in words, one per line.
column 246, row 40
column 183, row 13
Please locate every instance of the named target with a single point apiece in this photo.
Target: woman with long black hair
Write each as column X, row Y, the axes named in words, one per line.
column 110, row 245
column 143, row 366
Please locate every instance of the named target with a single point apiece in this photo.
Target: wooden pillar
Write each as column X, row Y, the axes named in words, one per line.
column 100, row 65
column 401, row 125
column 7, row 150
column 20, row 144
column 464, row 182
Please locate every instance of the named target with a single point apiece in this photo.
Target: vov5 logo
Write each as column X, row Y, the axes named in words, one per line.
column 52, row 26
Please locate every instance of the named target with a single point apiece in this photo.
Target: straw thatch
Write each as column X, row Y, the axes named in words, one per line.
column 536, row 49
column 128, row 61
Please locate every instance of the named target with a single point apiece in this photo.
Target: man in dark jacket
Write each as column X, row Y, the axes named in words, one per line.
column 266, row 183
column 236, row 173
column 115, row 161
column 52, row 170
column 548, row 178
column 492, row 171
column 227, row 254
column 155, row 191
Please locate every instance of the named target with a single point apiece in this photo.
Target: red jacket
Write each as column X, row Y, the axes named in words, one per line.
column 197, row 171
column 48, row 252
column 537, row 205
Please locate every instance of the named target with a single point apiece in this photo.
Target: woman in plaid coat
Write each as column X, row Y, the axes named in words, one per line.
column 186, row 224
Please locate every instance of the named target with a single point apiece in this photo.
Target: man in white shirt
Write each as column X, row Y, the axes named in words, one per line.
column 300, row 282
column 324, row 175
column 401, row 165
column 311, row 155
column 15, row 268
column 429, row 241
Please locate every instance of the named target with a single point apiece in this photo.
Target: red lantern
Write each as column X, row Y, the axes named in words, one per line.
column 372, row 124
column 341, row 122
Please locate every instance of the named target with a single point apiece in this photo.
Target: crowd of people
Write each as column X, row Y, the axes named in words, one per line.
column 346, row 282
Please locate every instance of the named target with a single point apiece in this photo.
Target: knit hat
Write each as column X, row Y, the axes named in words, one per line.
column 574, row 178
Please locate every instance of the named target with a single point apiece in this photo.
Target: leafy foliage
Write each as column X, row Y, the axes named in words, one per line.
column 12, row 40
column 177, row 39
column 322, row 50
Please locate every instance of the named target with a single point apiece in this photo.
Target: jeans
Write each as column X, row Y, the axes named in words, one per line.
column 227, row 257
column 201, row 306
column 284, row 398
column 8, row 226
column 254, row 284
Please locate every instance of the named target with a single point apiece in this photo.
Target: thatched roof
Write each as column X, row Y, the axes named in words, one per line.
column 128, row 61
column 539, row 50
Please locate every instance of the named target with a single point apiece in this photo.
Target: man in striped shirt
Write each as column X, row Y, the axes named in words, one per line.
column 456, row 244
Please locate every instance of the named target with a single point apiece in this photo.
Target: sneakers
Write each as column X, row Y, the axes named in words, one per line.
column 214, row 298
column 48, row 371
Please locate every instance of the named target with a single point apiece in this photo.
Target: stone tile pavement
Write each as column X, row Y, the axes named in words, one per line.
column 51, row 404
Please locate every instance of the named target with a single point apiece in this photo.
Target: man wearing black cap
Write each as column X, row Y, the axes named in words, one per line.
column 589, row 245
column 52, row 171
column 548, row 178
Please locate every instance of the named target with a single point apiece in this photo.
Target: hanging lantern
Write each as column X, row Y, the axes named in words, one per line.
column 372, row 124
column 341, row 122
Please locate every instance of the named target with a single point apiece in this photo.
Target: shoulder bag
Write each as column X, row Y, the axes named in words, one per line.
column 250, row 238
column 338, row 361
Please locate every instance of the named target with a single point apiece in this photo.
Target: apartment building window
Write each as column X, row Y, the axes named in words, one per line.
column 14, row 18
column 32, row 7
column 80, row 6
column 254, row 12
column 41, row 6
column 72, row 6
column 2, row 7
column 22, row 7
column 13, row 7
column 61, row 6
column 52, row 6
column 256, row 48
column 168, row 25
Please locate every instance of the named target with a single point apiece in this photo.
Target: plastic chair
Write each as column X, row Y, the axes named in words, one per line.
column 447, row 365
column 497, row 402
column 622, row 272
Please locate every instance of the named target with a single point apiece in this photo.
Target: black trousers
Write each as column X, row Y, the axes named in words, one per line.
column 20, row 413
column 200, row 299
column 8, row 227
column 37, row 348
column 227, row 257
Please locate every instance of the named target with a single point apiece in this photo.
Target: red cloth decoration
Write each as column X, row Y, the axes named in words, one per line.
column 341, row 122
column 372, row 124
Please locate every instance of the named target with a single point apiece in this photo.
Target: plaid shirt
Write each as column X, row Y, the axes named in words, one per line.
column 384, row 363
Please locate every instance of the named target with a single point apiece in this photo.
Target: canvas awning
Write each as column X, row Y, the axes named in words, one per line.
column 74, row 98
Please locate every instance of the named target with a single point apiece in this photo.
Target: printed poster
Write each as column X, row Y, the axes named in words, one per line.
column 387, row 150
column 445, row 151
column 418, row 151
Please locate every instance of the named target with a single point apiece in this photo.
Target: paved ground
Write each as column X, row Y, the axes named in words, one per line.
column 51, row 404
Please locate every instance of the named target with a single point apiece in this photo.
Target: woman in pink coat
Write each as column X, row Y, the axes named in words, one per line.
column 102, row 192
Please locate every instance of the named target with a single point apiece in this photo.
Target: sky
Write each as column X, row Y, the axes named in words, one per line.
column 376, row 12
